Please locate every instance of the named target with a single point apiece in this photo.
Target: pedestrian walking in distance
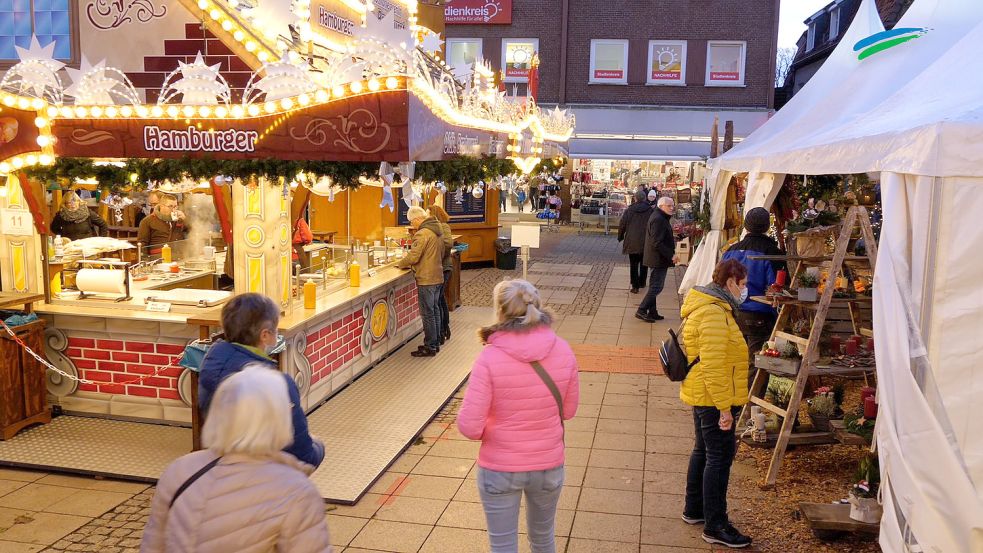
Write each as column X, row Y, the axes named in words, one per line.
column 242, row 493
column 659, row 255
column 716, row 388
column 631, row 233
column 523, row 385
column 425, row 258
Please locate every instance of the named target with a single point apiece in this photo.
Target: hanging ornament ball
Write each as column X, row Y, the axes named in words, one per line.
column 477, row 192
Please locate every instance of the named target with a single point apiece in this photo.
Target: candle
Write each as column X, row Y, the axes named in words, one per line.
column 851, row 347
column 834, row 345
column 780, row 279
column 866, row 392
column 870, row 408
column 870, row 345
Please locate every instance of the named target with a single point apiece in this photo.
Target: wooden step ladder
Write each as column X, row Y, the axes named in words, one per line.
column 809, row 347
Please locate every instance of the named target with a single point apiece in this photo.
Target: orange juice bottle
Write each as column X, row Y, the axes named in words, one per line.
column 310, row 294
column 355, row 275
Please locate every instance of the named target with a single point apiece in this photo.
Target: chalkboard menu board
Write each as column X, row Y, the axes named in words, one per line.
column 470, row 210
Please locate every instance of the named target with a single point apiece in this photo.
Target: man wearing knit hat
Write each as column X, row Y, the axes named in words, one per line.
column 756, row 319
column 425, row 258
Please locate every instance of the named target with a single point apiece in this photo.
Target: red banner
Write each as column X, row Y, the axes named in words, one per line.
column 373, row 127
column 478, row 12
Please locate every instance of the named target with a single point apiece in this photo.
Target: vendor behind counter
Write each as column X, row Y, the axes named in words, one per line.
column 166, row 224
column 75, row 220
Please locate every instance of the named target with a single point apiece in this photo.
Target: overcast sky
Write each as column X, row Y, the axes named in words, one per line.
column 793, row 13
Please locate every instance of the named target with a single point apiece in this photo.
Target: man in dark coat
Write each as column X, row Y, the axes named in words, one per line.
column 756, row 319
column 631, row 231
column 660, row 254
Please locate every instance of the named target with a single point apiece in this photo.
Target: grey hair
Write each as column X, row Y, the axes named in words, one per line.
column 249, row 414
column 666, row 200
column 517, row 308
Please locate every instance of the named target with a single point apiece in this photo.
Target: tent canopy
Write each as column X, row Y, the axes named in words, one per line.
column 914, row 113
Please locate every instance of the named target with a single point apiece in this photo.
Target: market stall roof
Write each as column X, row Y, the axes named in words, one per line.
column 378, row 93
column 904, row 103
column 910, row 108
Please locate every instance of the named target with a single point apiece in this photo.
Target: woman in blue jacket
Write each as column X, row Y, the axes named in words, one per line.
column 249, row 322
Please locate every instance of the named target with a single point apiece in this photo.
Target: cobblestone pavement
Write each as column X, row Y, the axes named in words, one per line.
column 626, row 449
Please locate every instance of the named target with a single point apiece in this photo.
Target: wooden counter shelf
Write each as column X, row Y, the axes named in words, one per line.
column 807, row 260
column 796, row 438
column 846, row 437
column 783, row 300
column 19, row 300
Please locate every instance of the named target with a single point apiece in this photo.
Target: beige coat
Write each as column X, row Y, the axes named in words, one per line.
column 448, row 240
column 244, row 504
column 426, row 255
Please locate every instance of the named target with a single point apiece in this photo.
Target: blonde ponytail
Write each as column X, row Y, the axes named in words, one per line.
column 517, row 309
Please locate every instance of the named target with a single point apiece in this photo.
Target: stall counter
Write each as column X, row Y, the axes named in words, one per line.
column 129, row 356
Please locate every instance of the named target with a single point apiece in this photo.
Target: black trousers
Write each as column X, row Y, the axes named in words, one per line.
column 638, row 271
column 709, row 468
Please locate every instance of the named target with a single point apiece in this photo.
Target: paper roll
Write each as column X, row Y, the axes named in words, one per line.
column 101, row 281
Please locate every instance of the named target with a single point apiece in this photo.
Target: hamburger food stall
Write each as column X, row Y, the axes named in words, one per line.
column 310, row 122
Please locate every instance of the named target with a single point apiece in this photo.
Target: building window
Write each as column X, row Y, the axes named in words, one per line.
column 834, row 23
column 811, row 37
column 50, row 20
column 517, row 56
column 725, row 63
column 667, row 62
column 462, row 53
column 608, row 61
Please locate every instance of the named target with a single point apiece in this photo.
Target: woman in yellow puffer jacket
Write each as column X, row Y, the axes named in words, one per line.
column 716, row 387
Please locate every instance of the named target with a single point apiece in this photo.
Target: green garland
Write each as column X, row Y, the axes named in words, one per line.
column 136, row 174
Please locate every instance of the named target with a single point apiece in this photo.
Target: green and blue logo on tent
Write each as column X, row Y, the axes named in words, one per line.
column 887, row 39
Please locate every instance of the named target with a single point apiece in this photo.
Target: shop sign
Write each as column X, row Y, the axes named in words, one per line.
column 383, row 7
column 461, row 144
column 518, row 60
column 192, row 139
column 609, row 74
column 666, row 62
column 334, row 20
column 478, row 12
column 725, row 76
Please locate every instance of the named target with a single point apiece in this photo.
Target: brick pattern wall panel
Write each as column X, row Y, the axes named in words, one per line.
column 115, row 365
column 696, row 21
column 337, row 343
column 156, row 68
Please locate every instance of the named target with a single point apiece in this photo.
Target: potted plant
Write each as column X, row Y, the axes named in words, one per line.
column 822, row 407
column 808, row 287
column 779, row 394
column 864, row 506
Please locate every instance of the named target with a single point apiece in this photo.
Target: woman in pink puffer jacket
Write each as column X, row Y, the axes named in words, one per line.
column 514, row 413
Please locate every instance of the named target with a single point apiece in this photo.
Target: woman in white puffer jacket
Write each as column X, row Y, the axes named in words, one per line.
column 242, row 493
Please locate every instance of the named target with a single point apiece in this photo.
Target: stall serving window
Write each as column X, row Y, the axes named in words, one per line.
column 517, row 56
column 667, row 62
column 462, row 53
column 725, row 63
column 50, row 20
column 608, row 61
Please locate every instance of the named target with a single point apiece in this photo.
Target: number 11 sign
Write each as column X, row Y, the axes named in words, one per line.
column 16, row 222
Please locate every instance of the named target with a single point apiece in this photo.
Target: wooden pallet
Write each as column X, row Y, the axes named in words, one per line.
column 809, row 347
column 830, row 520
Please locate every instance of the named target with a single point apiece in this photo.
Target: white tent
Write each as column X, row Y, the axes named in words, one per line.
column 914, row 113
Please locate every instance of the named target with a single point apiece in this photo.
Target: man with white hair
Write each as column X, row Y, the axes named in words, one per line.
column 425, row 259
column 659, row 255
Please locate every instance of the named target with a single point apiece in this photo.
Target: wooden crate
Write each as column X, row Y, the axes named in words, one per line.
column 777, row 365
column 23, row 383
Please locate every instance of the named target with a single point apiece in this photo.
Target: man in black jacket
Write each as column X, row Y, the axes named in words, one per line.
column 632, row 231
column 660, row 254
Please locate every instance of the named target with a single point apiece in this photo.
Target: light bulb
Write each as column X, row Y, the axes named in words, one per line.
column 356, row 87
column 126, row 111
column 202, row 4
column 373, row 85
column 250, row 46
column 188, row 111
column 321, row 96
column 45, row 159
column 287, row 103
column 263, row 56
column 221, row 112
column 81, row 112
column 43, row 141
column 4, row 168
column 303, row 99
column 22, row 103
column 392, row 83
column 338, row 92
column 37, row 103
column 111, row 111
column 215, row 14
column 52, row 111
column 238, row 35
column 66, row 111
column 172, row 111
column 237, row 111
column 226, row 25
column 204, row 111
column 157, row 111
column 40, row 122
column 253, row 110
column 269, row 107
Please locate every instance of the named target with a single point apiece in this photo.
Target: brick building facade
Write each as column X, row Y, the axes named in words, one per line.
column 636, row 106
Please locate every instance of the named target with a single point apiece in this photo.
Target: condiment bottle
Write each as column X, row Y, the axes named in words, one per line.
column 355, row 274
column 310, row 294
column 59, row 247
column 165, row 253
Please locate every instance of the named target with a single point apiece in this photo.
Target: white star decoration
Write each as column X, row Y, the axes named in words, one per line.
column 38, row 68
column 384, row 30
column 431, row 42
column 200, row 84
column 284, row 79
